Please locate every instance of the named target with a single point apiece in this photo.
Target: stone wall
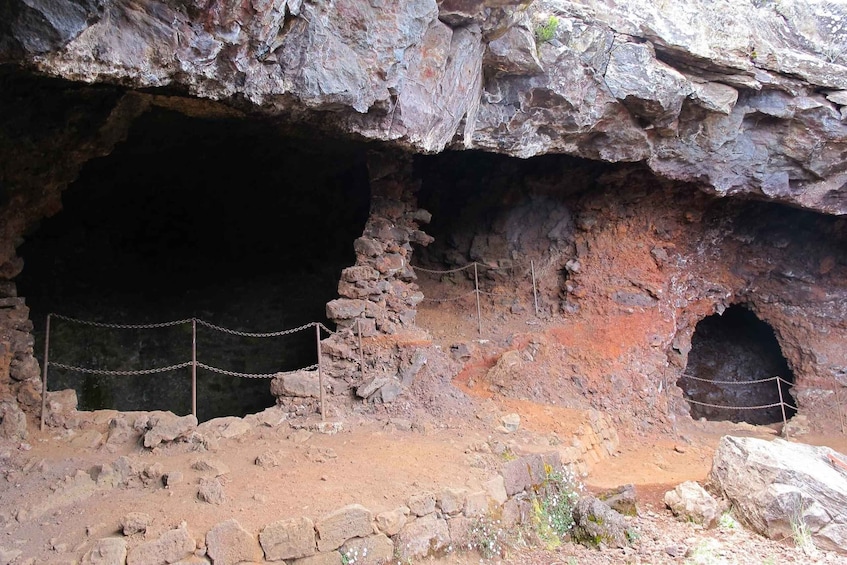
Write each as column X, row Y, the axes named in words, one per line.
column 20, row 376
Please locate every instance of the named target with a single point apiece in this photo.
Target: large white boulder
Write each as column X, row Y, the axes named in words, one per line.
column 774, row 484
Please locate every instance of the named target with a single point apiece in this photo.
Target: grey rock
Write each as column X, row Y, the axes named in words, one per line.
column 623, row 499
column 61, row 407
column 337, row 527
column 166, row 426
column 422, row 504
column 135, row 523
column 288, row 539
column 211, row 491
column 24, row 369
column 595, row 524
column 649, row 88
column 511, row 422
column 526, row 472
column 299, row 384
column 772, row 484
column 208, row 466
column 12, row 421
column 691, row 503
column 106, row 551
column 422, row 537
column 392, row 521
column 371, row 550
column 170, row 547
column 228, row 543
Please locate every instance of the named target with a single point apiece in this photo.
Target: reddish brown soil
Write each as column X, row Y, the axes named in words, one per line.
column 372, row 461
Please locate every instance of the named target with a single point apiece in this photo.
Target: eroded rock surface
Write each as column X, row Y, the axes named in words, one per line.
column 738, row 97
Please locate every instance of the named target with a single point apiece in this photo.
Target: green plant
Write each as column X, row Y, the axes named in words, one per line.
column 727, row 522
column 488, row 537
column 547, row 31
column 801, row 533
column 704, row 553
column 553, row 503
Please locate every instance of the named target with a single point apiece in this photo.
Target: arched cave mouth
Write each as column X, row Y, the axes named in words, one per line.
column 227, row 220
column 736, row 347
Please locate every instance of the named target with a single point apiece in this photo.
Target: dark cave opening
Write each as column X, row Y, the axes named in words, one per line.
column 231, row 221
column 728, row 353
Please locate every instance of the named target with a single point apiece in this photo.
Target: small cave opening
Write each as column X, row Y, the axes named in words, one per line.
column 242, row 223
column 730, row 352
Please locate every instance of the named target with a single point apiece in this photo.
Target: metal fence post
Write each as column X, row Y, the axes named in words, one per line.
column 361, row 350
column 194, row 366
column 781, row 402
column 476, row 289
column 320, row 372
column 44, row 371
column 534, row 288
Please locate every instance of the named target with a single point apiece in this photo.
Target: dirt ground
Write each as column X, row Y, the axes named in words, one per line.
column 374, row 460
column 51, row 512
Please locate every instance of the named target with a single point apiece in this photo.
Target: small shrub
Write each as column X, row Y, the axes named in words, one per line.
column 553, row 503
column 727, row 522
column 547, row 31
column 488, row 537
column 802, row 534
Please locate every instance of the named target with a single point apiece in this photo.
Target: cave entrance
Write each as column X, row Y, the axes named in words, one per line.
column 728, row 353
column 230, row 221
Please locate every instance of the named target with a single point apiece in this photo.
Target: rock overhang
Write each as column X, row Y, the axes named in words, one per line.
column 738, row 98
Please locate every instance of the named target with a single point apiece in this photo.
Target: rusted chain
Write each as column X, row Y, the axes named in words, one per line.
column 733, row 382
column 122, row 326
column 254, row 375
column 256, row 334
column 736, row 407
column 440, row 272
column 119, row 373
column 324, row 328
column 450, row 299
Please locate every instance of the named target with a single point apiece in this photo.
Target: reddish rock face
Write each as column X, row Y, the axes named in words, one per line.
column 634, row 265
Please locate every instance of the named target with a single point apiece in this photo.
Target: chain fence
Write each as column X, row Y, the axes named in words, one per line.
column 509, row 265
column 194, row 363
column 777, row 379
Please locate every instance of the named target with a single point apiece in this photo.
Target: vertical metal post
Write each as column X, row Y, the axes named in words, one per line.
column 840, row 408
column 44, row 371
column 320, row 372
column 194, row 367
column 476, row 289
column 534, row 288
column 781, row 402
column 361, row 350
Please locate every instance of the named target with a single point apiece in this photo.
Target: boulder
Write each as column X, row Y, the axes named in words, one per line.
column 107, row 551
column 167, row 426
column 211, row 491
column 691, row 503
column 229, row 544
column 12, row 421
column 288, row 539
column 774, row 484
column 391, row 521
column 422, row 537
column 302, row 384
column 622, row 499
column 135, row 523
column 596, row 524
column 337, row 527
column 371, row 550
column 422, row 504
column 172, row 546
